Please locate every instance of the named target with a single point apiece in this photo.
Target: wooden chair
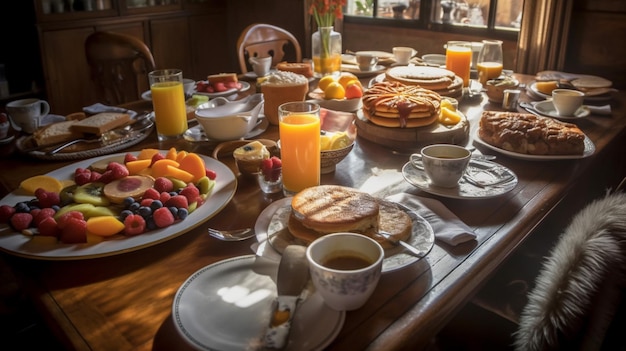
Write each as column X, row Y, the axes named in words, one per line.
column 262, row 40
column 119, row 65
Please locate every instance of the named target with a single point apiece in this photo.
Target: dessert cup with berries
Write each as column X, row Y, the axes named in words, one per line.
column 270, row 177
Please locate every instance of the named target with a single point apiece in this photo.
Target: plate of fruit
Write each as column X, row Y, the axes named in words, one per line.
column 113, row 204
column 213, row 90
column 338, row 94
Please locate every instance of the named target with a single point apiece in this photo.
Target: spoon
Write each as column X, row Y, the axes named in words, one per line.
column 232, row 235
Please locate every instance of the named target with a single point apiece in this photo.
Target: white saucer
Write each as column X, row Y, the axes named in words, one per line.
column 502, row 179
column 354, row 69
column 547, row 108
column 7, row 140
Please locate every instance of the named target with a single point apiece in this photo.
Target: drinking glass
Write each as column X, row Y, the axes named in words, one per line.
column 299, row 130
column 489, row 62
column 459, row 59
column 168, row 101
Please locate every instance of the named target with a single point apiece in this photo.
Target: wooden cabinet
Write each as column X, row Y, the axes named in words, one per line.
column 175, row 30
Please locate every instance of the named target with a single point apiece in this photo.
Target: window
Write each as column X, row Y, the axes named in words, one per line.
column 444, row 15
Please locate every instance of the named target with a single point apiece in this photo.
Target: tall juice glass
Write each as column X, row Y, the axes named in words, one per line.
column 489, row 62
column 459, row 59
column 168, row 101
column 299, row 129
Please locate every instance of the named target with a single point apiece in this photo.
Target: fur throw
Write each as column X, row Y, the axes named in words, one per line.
column 580, row 284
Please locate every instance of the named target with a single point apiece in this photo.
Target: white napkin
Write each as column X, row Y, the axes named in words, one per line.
column 599, row 110
column 446, row 225
column 98, row 108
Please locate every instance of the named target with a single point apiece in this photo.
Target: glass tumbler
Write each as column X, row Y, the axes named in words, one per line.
column 299, row 130
column 459, row 59
column 168, row 101
column 489, row 62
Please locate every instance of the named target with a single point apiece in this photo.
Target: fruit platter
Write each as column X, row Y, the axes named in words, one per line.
column 113, row 204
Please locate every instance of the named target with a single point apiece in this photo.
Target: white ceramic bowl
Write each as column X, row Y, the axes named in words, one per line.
column 231, row 120
column 345, row 105
column 434, row 59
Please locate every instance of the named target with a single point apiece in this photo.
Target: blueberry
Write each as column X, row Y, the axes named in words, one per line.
column 150, row 225
column 134, row 206
column 173, row 193
column 124, row 214
column 182, row 213
column 247, row 148
column 128, row 201
column 56, row 208
column 145, row 212
column 22, row 207
column 174, row 211
column 156, row 204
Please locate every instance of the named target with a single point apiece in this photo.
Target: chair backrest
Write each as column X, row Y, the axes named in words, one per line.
column 119, row 66
column 262, row 40
column 581, row 284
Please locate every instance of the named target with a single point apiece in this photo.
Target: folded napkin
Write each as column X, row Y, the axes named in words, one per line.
column 99, row 108
column 447, row 226
column 599, row 110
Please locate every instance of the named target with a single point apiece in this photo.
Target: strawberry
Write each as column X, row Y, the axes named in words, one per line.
column 49, row 227
column 164, row 197
column 178, row 201
column 191, row 192
column 119, row 170
column 156, row 157
column 220, row 86
column 94, row 176
column 211, row 174
column 163, row 184
column 146, row 201
column 129, row 157
column 163, row 217
column 151, row 193
column 21, row 221
column 62, row 221
column 74, row 230
column 6, row 212
column 82, row 176
column 43, row 214
column 134, row 224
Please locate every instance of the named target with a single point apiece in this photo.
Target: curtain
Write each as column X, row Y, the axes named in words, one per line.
column 543, row 34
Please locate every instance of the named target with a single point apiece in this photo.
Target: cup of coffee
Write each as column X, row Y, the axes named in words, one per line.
column 345, row 268
column 26, row 114
column 366, row 61
column 280, row 87
column 567, row 101
column 261, row 65
column 444, row 164
column 403, row 54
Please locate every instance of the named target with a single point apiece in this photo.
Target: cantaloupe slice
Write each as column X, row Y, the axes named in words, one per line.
column 546, row 87
column 104, row 226
column 181, row 155
column 171, row 154
column 159, row 168
column 193, row 164
column 178, row 173
column 136, row 167
column 48, row 183
column 147, row 154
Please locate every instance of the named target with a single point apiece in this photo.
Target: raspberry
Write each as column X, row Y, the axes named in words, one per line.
column 21, row 221
column 178, row 201
column 82, row 178
column 74, row 230
column 163, row 217
column 48, row 198
column 146, row 201
column 271, row 168
column 211, row 174
column 39, row 192
column 6, row 212
column 164, row 197
column 276, row 162
column 134, row 225
column 41, row 215
column 49, row 227
column 151, row 193
column 129, row 157
column 191, row 192
column 64, row 218
column 163, row 184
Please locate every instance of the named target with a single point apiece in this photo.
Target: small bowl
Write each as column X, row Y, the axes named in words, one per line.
column 330, row 158
column 344, row 105
column 434, row 59
column 495, row 88
column 231, row 120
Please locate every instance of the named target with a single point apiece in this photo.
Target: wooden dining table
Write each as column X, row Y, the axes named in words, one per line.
column 124, row 301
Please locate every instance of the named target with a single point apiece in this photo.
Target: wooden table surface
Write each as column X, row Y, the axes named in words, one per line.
column 124, row 302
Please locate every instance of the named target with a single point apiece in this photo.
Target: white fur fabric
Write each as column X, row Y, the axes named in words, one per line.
column 580, row 283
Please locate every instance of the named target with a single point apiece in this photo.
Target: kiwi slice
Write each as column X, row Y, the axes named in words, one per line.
column 67, row 194
column 91, row 193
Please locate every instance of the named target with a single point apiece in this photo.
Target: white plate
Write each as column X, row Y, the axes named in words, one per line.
column 271, row 226
column 532, row 89
column 487, row 171
column 345, row 105
column 547, row 109
column 590, row 149
column 227, row 306
column 147, row 95
column 196, row 133
column 354, row 69
column 21, row 245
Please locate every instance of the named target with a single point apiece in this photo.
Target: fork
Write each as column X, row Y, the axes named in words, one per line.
column 231, row 235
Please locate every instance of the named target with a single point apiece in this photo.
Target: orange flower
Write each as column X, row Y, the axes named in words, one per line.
column 326, row 11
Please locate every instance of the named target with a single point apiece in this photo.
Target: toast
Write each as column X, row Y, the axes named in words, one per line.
column 56, row 133
column 101, row 123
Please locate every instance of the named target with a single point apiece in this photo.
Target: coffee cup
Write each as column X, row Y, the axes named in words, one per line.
column 444, row 164
column 366, row 61
column 261, row 65
column 26, row 114
column 403, row 54
column 567, row 101
column 189, row 86
column 345, row 269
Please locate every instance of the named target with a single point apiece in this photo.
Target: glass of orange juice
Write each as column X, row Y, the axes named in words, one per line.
column 168, row 101
column 299, row 130
column 489, row 61
column 459, row 59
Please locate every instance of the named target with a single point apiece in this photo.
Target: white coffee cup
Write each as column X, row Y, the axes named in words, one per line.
column 26, row 114
column 403, row 54
column 444, row 164
column 189, row 86
column 567, row 101
column 261, row 65
column 345, row 268
column 366, row 61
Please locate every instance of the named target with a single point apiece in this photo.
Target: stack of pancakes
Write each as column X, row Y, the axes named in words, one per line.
column 327, row 209
column 440, row 80
column 394, row 104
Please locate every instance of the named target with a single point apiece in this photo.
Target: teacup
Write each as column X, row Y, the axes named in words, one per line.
column 567, row 101
column 189, row 86
column 261, row 65
column 403, row 54
column 26, row 114
column 345, row 268
column 366, row 61
column 444, row 164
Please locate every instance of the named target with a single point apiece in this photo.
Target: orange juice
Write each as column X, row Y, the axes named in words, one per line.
column 168, row 100
column 459, row 59
column 300, row 151
column 488, row 70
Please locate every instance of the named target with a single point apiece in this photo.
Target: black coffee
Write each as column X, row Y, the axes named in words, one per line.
column 346, row 262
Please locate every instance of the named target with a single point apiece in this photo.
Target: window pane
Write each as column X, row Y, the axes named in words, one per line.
column 509, row 14
column 360, row 8
column 462, row 12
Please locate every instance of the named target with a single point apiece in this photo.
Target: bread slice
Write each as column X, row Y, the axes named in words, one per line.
column 222, row 77
column 101, row 122
column 56, row 133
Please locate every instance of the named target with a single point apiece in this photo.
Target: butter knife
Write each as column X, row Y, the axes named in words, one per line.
column 412, row 249
column 292, row 278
